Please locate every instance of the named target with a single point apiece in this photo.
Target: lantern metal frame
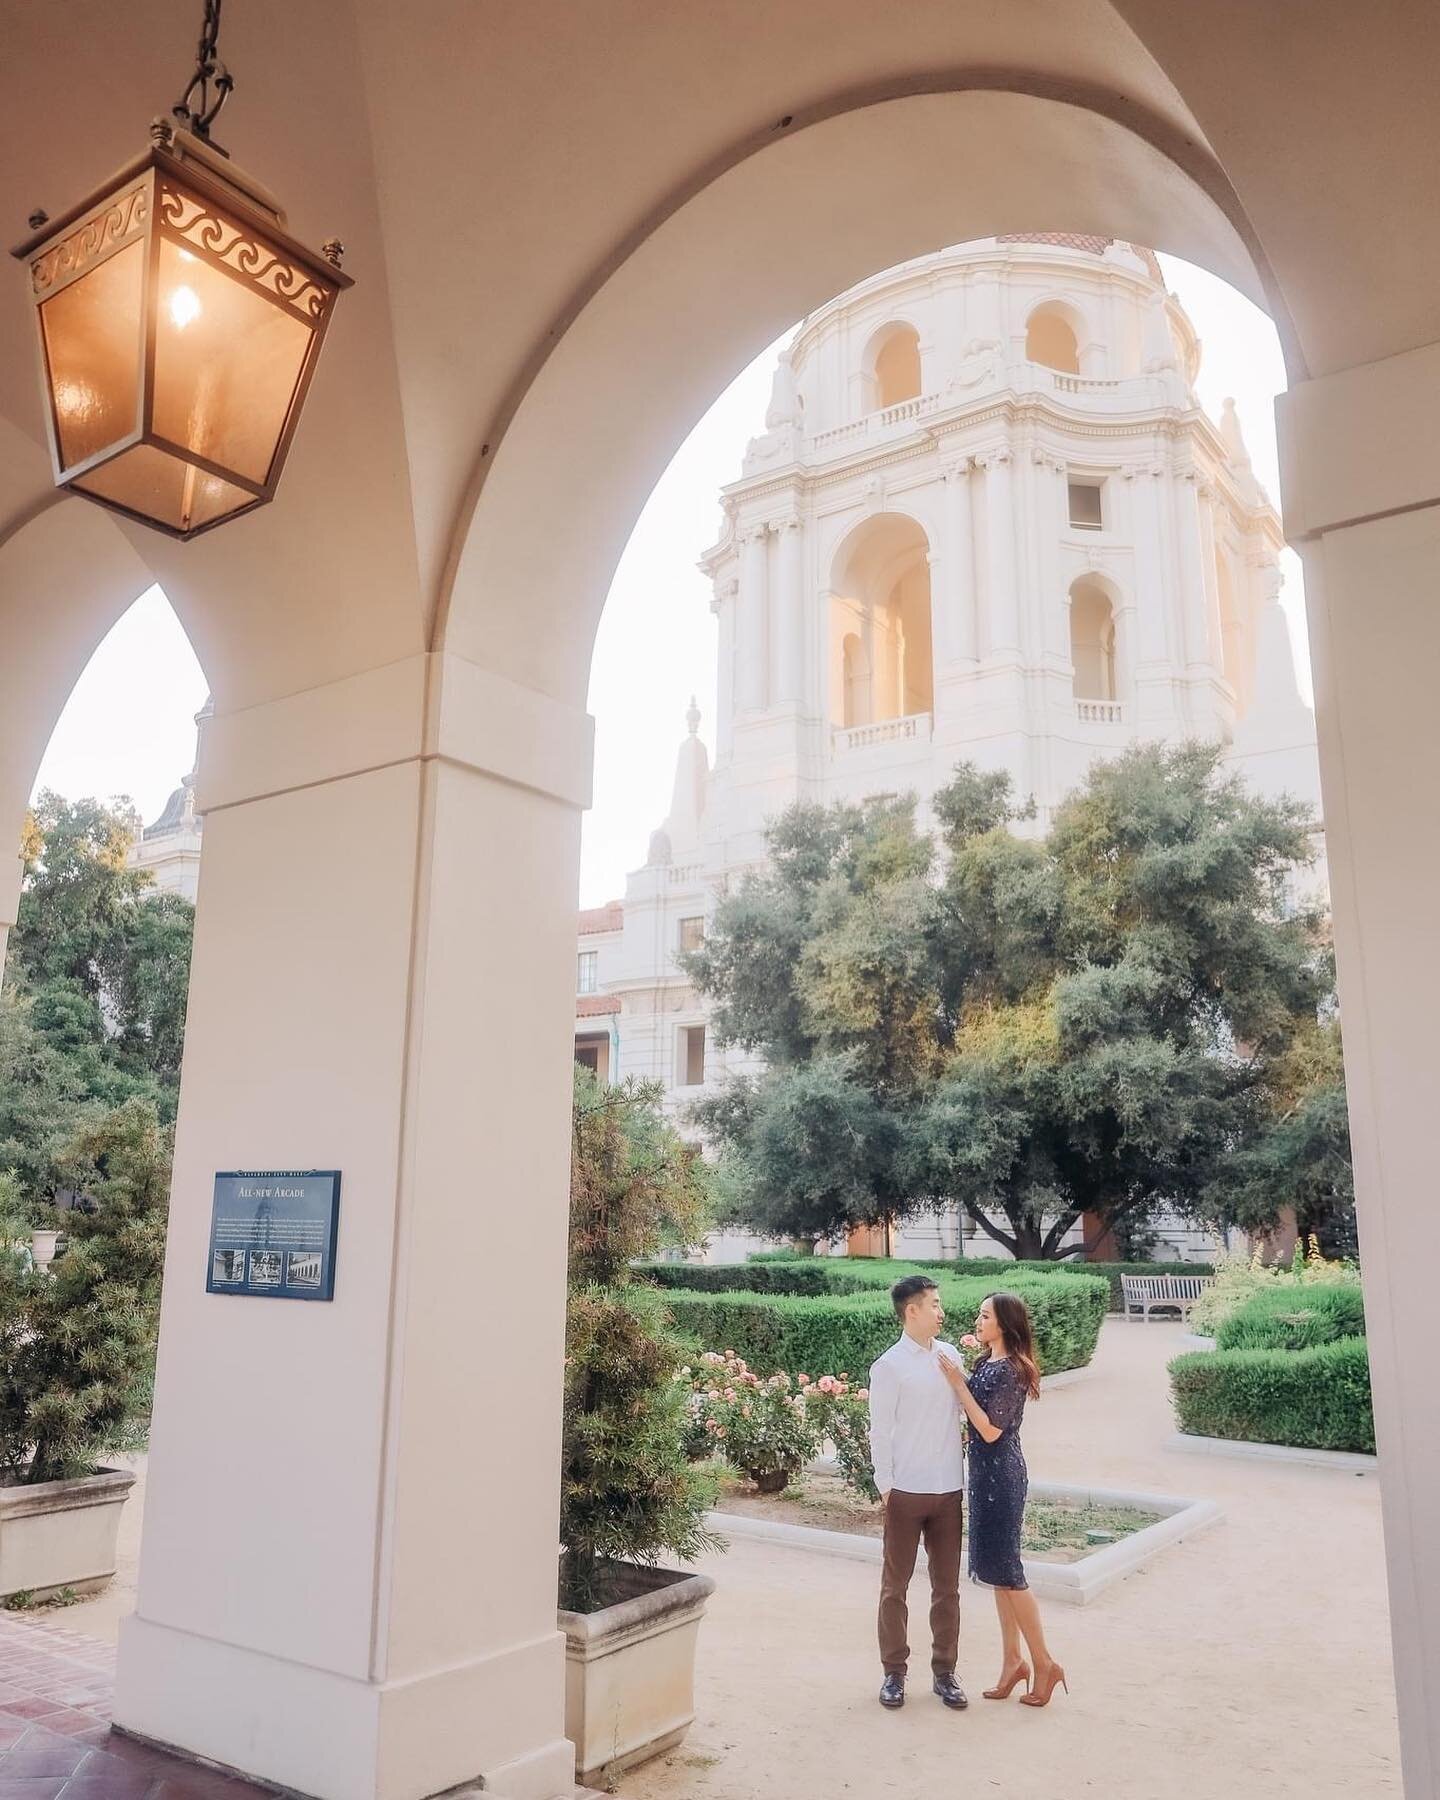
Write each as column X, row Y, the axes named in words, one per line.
column 185, row 192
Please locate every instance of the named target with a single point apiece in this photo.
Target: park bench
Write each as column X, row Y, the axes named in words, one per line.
column 1142, row 1293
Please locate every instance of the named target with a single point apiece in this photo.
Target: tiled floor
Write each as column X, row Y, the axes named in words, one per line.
column 55, row 1736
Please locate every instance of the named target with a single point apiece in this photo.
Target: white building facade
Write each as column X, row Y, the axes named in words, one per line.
column 168, row 849
column 988, row 521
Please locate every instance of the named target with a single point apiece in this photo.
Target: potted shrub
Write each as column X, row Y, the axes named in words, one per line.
column 629, row 1493
column 78, row 1347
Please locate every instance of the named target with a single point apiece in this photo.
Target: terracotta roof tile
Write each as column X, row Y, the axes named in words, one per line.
column 609, row 917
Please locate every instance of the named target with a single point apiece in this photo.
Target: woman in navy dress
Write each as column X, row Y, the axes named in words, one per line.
column 993, row 1396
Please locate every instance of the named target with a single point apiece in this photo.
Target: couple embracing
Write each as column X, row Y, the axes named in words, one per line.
column 923, row 1408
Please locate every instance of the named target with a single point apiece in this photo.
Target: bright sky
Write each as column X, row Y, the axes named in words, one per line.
column 129, row 725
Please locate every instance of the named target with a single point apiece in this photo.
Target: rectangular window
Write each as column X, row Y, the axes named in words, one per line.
column 692, row 1055
column 588, row 1057
column 587, row 972
column 1085, row 512
column 692, row 933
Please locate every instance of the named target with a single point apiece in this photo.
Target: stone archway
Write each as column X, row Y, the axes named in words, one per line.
column 396, row 770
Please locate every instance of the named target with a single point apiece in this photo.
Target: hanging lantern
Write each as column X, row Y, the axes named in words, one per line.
column 179, row 326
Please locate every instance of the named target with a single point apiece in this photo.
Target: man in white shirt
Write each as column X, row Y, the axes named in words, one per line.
column 919, row 1457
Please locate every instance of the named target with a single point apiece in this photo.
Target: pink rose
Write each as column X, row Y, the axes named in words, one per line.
column 804, row 1380
column 862, row 1393
column 970, row 1341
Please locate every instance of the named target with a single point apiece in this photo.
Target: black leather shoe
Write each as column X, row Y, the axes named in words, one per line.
column 951, row 1692
column 892, row 1691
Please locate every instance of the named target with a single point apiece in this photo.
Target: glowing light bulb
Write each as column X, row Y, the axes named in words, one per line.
column 184, row 307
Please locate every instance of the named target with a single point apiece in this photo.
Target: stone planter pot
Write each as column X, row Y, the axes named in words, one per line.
column 61, row 1534
column 42, row 1247
column 630, row 1671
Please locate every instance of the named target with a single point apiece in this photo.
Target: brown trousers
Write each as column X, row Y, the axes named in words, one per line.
column 937, row 1519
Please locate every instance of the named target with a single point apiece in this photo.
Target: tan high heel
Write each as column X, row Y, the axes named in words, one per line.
column 1040, row 1696
column 1007, row 1688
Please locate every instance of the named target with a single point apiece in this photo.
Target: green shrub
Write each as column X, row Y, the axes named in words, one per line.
column 843, row 1332
column 739, row 1278
column 1291, row 1318
column 1318, row 1399
column 627, row 1490
column 77, row 1345
column 1239, row 1278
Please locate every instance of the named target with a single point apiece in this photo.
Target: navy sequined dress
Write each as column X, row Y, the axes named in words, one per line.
column 998, row 1478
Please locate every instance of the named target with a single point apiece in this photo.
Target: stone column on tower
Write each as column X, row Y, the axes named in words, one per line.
column 1156, row 651
column 956, row 623
column 723, row 605
column 1002, row 613
column 790, row 611
column 1192, row 594
column 1052, row 516
column 752, row 625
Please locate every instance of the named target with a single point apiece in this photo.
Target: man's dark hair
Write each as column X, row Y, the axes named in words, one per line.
column 908, row 1288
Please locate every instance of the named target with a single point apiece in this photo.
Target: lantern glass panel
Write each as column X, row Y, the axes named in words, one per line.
column 92, row 348
column 228, row 362
column 153, row 483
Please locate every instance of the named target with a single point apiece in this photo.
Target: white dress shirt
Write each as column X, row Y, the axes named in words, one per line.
column 915, row 1437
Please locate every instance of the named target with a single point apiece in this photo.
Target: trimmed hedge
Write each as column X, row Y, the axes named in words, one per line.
column 1294, row 1318
column 995, row 1268
column 1318, row 1399
column 768, row 1272
column 843, row 1333
column 805, row 1277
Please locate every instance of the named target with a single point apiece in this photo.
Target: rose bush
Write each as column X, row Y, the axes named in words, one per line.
column 769, row 1427
column 762, row 1426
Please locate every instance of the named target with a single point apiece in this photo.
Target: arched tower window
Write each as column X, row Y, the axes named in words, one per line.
column 880, row 631
column 1092, row 641
column 892, row 367
column 1052, row 338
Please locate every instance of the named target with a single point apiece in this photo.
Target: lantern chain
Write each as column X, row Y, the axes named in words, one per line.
column 211, row 84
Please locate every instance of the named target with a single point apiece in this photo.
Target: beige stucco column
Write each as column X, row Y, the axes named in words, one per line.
column 347, row 1582
column 12, row 871
column 1361, row 456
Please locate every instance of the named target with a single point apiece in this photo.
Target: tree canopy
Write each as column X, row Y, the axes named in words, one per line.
column 92, row 1013
column 1085, row 1024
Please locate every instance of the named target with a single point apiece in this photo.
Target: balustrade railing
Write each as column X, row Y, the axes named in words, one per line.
column 1100, row 712
column 885, row 731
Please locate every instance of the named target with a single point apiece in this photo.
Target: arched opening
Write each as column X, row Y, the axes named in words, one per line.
column 892, row 368
column 880, row 631
column 1052, row 338
column 1092, row 641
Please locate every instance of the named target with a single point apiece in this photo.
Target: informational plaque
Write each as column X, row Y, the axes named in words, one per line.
column 273, row 1233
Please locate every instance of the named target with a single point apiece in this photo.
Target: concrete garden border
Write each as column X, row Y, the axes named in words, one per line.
column 1074, row 1584
column 1347, row 1462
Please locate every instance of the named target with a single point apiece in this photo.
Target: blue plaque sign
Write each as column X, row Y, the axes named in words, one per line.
column 273, row 1233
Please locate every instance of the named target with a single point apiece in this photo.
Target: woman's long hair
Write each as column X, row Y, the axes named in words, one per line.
column 1012, row 1315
